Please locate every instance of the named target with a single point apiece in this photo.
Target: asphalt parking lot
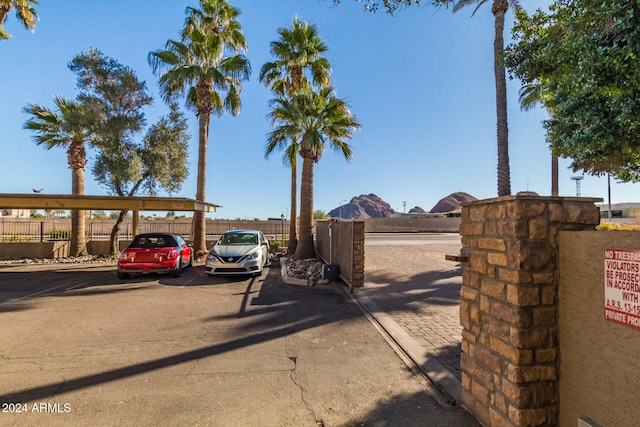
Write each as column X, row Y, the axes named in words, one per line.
column 81, row 347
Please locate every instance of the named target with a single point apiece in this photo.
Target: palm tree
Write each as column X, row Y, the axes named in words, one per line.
column 284, row 138
column 320, row 119
column 530, row 95
column 67, row 127
column 499, row 9
column 24, row 11
column 297, row 50
column 197, row 67
column 290, row 157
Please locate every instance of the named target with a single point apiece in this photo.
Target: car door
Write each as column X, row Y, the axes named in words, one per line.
column 185, row 251
column 264, row 243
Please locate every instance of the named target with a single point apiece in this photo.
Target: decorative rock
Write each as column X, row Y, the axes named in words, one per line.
column 304, row 268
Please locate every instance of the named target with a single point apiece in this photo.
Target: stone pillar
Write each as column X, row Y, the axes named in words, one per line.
column 508, row 305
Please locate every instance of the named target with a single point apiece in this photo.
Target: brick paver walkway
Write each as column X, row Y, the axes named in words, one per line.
column 420, row 291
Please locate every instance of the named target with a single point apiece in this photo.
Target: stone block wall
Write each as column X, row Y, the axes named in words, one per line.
column 509, row 303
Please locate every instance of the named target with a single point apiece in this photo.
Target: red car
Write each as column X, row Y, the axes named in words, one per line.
column 155, row 253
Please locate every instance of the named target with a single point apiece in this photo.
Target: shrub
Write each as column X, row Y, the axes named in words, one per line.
column 60, row 234
column 274, row 245
column 17, row 238
column 606, row 226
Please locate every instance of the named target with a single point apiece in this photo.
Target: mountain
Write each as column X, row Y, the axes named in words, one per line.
column 363, row 207
column 452, row 202
column 417, row 210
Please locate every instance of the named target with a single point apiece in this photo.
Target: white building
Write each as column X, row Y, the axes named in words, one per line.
column 15, row 213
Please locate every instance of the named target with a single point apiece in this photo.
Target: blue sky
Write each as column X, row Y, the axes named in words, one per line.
column 420, row 83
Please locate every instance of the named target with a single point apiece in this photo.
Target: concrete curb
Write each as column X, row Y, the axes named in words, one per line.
column 291, row 280
column 438, row 375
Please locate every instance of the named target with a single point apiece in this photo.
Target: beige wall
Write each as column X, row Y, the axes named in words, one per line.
column 599, row 359
column 412, row 225
column 19, row 250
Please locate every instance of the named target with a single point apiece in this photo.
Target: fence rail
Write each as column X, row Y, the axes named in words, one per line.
column 18, row 230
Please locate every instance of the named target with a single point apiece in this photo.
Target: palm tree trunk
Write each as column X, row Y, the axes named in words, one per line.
column 293, row 237
column 78, row 239
column 199, row 220
column 499, row 10
column 77, row 160
column 554, row 175
column 306, row 248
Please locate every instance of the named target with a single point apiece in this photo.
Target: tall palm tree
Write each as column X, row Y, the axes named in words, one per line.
column 25, row 12
column 320, row 119
column 499, row 9
column 290, row 158
column 298, row 49
column 207, row 67
column 530, row 95
column 67, row 127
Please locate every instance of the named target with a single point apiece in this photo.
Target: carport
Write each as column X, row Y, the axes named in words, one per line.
column 110, row 203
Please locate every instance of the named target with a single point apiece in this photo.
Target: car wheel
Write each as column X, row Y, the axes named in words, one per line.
column 178, row 269
column 122, row 275
column 190, row 260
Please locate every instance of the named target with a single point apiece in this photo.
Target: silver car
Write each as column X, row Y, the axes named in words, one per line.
column 238, row 252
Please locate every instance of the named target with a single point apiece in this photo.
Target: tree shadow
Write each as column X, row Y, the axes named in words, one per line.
column 291, row 309
column 278, row 310
column 440, row 288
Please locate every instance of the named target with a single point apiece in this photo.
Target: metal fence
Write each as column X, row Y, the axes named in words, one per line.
column 31, row 230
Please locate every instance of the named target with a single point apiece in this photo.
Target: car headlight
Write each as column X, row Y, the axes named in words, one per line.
column 253, row 255
column 212, row 254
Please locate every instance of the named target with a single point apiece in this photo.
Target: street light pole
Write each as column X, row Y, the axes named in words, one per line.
column 340, row 207
column 282, row 223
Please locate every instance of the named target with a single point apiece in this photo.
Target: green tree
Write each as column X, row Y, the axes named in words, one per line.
column 585, row 54
column 321, row 119
column 206, row 67
column 320, row 214
column 67, row 126
column 157, row 163
column 124, row 166
column 391, row 6
column 299, row 49
column 25, row 12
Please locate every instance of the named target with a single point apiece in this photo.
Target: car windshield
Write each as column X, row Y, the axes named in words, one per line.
column 239, row 239
column 153, row 242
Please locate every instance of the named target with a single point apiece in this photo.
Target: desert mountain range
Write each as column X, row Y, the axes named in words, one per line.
column 371, row 206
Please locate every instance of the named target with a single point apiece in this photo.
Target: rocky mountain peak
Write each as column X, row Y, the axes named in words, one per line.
column 452, row 202
column 363, row 207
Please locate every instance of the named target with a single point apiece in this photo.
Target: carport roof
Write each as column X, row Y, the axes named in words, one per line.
column 66, row 201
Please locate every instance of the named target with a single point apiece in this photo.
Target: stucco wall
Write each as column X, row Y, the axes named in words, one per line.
column 19, row 250
column 599, row 359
